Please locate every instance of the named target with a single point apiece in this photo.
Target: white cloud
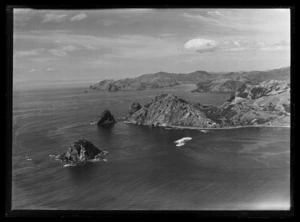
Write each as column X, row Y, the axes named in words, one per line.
column 70, row 48
column 58, row 52
column 33, row 52
column 272, row 22
column 132, row 10
column 43, row 59
column 201, row 45
column 22, row 10
column 206, row 45
column 78, row 17
column 201, row 18
column 274, row 48
column 31, row 70
column 64, row 50
column 54, row 17
column 242, row 46
column 49, row 69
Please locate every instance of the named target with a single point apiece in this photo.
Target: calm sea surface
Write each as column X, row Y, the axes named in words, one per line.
column 236, row 169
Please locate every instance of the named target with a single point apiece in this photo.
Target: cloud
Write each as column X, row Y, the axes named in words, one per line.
column 78, row 17
column 201, row 45
column 244, row 21
column 70, row 48
column 58, row 52
column 54, row 17
column 31, row 70
column 43, row 59
column 200, row 17
column 206, row 45
column 49, row 70
column 64, row 50
column 33, row 52
column 22, row 10
column 132, row 10
column 242, row 46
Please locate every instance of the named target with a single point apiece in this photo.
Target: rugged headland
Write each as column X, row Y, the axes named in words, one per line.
column 205, row 81
column 267, row 103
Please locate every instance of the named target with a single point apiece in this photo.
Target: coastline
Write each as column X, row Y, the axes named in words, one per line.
column 220, row 128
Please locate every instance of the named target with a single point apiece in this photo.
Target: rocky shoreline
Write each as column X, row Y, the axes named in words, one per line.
column 220, row 128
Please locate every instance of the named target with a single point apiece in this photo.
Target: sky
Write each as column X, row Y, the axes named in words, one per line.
column 85, row 46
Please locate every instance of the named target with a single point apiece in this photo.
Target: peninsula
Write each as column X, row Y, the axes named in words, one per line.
column 267, row 103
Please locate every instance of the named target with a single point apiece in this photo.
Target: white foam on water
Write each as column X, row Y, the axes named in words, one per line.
column 204, row 131
column 180, row 144
column 95, row 160
column 69, row 165
column 182, row 141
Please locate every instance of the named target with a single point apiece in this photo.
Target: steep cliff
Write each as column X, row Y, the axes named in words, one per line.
column 169, row 110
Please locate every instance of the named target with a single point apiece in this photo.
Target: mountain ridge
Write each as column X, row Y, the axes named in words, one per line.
column 205, row 81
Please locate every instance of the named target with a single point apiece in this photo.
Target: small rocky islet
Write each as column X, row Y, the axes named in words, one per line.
column 82, row 152
column 105, row 118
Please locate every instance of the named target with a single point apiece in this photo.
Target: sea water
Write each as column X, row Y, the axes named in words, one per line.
column 234, row 169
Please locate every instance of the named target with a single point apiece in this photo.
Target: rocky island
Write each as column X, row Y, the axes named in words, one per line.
column 267, row 103
column 105, row 118
column 82, row 152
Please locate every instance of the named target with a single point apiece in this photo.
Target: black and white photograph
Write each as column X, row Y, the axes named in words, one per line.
column 151, row 109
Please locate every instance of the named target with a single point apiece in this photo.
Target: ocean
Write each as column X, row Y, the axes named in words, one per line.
column 232, row 169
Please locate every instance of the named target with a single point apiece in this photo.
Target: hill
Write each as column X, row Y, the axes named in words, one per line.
column 206, row 82
column 267, row 103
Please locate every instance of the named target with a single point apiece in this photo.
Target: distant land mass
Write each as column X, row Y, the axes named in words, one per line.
column 230, row 82
column 205, row 81
column 266, row 103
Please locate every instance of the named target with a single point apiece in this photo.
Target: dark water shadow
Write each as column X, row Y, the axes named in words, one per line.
column 106, row 132
column 83, row 173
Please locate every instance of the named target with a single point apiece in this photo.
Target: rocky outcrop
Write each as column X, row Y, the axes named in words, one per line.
column 82, row 152
column 219, row 85
column 105, row 118
column 270, row 88
column 265, row 104
column 133, row 108
column 169, row 110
